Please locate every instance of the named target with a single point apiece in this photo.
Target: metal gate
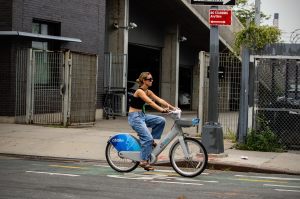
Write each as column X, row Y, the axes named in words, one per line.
column 229, row 90
column 84, row 70
column 50, row 87
column 115, row 84
column 277, row 97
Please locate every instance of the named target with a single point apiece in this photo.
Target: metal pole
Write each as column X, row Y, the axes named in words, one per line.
column 243, row 114
column 201, row 89
column 244, row 92
column 29, row 86
column 67, row 85
column 212, row 137
column 257, row 12
column 213, row 75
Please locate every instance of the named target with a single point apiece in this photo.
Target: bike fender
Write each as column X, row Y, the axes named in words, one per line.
column 125, row 142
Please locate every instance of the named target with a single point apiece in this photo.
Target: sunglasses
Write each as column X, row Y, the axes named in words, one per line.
column 150, row 79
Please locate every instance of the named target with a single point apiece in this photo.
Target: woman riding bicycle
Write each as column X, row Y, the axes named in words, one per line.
column 140, row 121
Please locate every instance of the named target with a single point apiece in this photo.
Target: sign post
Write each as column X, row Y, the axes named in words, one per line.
column 212, row 132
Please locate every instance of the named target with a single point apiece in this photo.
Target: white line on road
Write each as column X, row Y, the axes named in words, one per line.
column 186, row 183
column 286, row 190
column 192, row 180
column 277, row 185
column 265, row 177
column 172, row 171
column 60, row 174
column 100, row 165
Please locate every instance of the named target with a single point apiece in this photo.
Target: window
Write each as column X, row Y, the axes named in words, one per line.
column 46, row 28
column 46, row 63
column 39, row 28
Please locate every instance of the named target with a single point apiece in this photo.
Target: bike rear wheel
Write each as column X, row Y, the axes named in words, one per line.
column 116, row 162
column 189, row 166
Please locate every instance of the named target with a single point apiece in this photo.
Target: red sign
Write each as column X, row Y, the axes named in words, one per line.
column 220, row 17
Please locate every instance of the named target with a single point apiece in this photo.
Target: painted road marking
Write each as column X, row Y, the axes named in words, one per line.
column 191, row 180
column 253, row 180
column 131, row 178
column 67, row 167
column 60, row 174
column 151, row 179
column 286, row 190
column 271, row 178
column 183, row 183
column 156, row 170
column 161, row 178
column 100, row 165
column 277, row 185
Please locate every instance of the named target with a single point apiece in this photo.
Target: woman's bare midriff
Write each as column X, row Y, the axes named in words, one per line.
column 133, row 109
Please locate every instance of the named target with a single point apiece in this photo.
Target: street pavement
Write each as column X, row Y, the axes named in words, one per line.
column 87, row 143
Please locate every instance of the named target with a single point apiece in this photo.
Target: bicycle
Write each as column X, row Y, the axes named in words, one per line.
column 187, row 155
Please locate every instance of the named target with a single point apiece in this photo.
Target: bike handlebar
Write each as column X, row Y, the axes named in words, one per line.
column 175, row 114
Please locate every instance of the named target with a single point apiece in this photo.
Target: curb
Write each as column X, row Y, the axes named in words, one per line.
column 246, row 168
column 210, row 165
column 50, row 158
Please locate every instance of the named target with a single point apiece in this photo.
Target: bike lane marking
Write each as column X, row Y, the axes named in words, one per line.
column 287, row 190
column 276, row 187
column 284, row 186
column 152, row 179
column 67, row 167
column 270, row 178
column 258, row 180
column 162, row 178
column 50, row 173
column 183, row 183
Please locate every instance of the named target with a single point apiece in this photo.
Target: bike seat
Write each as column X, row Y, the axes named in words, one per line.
column 186, row 122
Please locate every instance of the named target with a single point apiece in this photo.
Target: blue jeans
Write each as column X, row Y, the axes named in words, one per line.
column 140, row 122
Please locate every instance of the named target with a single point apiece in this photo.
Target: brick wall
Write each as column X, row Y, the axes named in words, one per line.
column 78, row 19
column 5, row 15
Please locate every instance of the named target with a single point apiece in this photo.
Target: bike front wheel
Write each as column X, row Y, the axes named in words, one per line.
column 116, row 162
column 192, row 165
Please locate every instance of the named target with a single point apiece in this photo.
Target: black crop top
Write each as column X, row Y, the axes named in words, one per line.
column 136, row 102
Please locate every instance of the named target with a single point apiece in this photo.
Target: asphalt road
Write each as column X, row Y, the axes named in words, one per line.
column 20, row 178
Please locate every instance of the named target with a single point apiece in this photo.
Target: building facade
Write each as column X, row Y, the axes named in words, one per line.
column 160, row 36
column 48, row 25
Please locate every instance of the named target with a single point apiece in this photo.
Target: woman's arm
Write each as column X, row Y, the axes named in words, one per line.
column 160, row 100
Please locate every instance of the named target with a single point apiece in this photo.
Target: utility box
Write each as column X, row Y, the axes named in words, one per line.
column 212, row 138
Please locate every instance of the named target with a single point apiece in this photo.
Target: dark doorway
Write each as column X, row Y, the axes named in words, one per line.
column 185, row 85
column 144, row 59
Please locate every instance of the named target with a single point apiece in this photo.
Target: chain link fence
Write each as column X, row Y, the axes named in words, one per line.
column 55, row 87
column 115, row 85
column 277, row 98
column 228, row 90
column 83, row 93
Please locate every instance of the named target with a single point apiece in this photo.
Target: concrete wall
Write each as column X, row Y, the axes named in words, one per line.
column 149, row 32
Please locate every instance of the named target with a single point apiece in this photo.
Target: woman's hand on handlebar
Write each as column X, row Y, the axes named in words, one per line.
column 168, row 110
column 165, row 110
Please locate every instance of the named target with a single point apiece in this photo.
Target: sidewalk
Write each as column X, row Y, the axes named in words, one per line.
column 88, row 143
